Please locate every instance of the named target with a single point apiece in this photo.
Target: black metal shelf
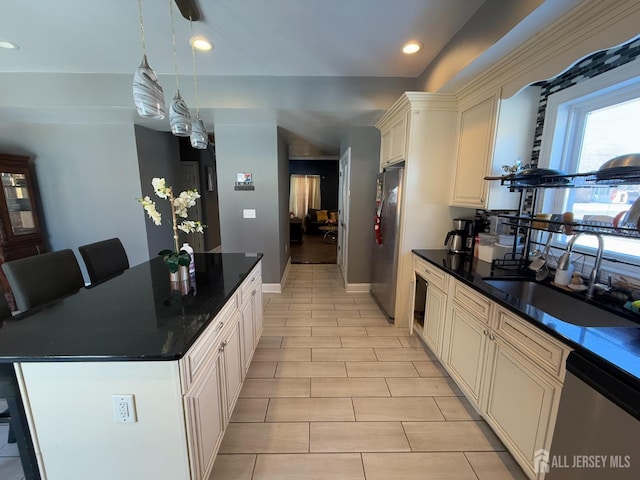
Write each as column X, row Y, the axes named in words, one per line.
column 570, row 228
column 577, row 180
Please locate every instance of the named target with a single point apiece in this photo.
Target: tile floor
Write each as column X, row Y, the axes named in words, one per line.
column 335, row 392
column 10, row 466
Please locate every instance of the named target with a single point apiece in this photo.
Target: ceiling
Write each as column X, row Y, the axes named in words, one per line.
column 314, row 67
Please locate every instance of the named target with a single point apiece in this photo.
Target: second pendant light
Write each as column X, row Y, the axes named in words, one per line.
column 179, row 116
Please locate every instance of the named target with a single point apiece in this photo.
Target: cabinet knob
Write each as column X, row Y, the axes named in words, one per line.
column 492, row 337
column 254, row 292
column 486, row 332
column 224, row 344
column 482, row 199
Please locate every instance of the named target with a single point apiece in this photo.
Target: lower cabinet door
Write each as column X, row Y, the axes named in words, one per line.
column 434, row 313
column 205, row 417
column 465, row 354
column 257, row 312
column 248, row 337
column 520, row 403
column 233, row 365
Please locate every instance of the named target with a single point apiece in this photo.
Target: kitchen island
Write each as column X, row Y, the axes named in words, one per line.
column 182, row 358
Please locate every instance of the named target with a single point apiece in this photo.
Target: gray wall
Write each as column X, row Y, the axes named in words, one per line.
column 491, row 22
column 365, row 163
column 88, row 182
column 283, row 201
column 250, row 148
column 158, row 156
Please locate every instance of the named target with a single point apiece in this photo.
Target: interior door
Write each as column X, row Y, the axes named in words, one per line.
column 343, row 212
column 190, row 179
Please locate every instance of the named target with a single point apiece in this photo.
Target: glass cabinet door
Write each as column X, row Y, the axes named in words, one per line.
column 19, row 203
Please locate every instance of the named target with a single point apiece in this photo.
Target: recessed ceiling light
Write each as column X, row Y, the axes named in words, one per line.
column 201, row 43
column 411, row 47
column 8, row 45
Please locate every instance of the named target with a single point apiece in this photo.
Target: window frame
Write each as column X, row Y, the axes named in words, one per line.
column 561, row 144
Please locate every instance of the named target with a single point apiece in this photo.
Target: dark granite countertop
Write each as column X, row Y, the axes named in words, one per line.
column 616, row 349
column 134, row 316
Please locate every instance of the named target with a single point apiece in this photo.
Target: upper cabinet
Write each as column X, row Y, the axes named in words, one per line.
column 394, row 127
column 492, row 132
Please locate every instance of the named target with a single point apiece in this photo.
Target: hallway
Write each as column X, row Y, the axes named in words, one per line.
column 335, row 392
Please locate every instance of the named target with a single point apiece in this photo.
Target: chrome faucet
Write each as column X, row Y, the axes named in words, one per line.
column 595, row 272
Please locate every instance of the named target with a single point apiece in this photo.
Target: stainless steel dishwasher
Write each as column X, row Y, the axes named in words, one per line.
column 597, row 433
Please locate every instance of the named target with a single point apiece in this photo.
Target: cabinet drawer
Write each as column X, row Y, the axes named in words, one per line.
column 197, row 357
column 250, row 283
column 544, row 350
column 474, row 302
column 433, row 275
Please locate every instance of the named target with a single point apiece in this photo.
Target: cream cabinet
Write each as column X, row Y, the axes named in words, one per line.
column 211, row 396
column 520, row 402
column 231, row 351
column 508, row 369
column 205, row 418
column 393, row 138
column 429, row 146
column 467, row 335
column 251, row 308
column 213, row 370
column 492, row 132
column 432, row 328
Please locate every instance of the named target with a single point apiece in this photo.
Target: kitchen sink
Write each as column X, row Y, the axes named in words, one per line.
column 560, row 305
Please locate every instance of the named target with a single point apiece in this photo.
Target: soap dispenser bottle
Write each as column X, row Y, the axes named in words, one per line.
column 192, row 266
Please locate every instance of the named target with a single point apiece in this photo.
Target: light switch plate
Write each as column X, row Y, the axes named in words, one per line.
column 249, row 213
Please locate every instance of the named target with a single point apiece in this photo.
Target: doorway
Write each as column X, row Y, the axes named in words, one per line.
column 313, row 210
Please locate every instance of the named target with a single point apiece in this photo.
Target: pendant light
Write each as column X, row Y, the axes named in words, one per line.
column 179, row 116
column 148, row 96
column 199, row 136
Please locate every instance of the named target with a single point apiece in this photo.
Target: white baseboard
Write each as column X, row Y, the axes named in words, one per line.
column 357, row 287
column 271, row 288
column 285, row 275
column 278, row 287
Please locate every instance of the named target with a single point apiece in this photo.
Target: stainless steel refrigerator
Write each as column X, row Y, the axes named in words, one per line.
column 385, row 250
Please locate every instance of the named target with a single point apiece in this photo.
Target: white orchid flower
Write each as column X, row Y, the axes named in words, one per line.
column 160, row 187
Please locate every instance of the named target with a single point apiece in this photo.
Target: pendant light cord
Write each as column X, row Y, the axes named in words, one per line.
column 144, row 47
column 195, row 76
column 173, row 39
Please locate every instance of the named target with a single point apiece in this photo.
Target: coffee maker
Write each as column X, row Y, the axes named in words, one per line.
column 460, row 239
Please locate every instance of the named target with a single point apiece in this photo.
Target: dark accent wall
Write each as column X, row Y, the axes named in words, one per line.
column 328, row 171
column 158, row 156
column 210, row 209
column 283, row 201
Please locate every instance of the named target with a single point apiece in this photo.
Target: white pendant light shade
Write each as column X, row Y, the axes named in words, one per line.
column 179, row 117
column 148, row 96
column 199, row 136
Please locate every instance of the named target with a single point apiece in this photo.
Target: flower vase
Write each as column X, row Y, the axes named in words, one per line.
column 185, row 283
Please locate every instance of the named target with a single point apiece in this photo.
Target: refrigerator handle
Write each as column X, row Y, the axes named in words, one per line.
column 379, row 212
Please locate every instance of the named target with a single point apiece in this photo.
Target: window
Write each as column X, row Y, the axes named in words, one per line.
column 585, row 126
